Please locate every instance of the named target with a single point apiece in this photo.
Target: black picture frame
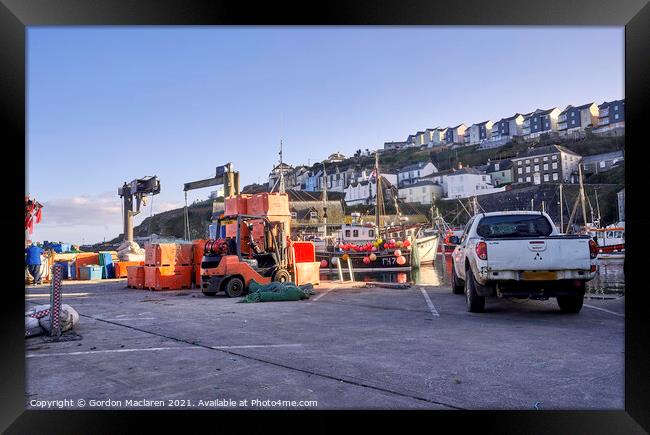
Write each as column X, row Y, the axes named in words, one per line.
column 16, row 15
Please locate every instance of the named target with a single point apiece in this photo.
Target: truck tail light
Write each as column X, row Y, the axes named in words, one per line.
column 593, row 249
column 481, row 250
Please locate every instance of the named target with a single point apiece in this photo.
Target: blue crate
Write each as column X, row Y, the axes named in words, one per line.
column 90, row 272
column 108, row 271
column 105, row 258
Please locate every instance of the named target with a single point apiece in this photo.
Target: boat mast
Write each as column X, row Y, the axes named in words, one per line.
column 561, row 211
column 281, row 187
column 325, row 198
column 597, row 205
column 582, row 196
column 378, row 194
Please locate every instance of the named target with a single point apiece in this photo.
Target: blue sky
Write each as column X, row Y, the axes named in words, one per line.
column 110, row 104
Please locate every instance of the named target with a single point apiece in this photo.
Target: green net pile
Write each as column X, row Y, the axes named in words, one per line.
column 277, row 291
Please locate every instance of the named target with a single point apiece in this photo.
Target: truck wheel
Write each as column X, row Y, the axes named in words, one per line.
column 571, row 304
column 234, row 288
column 457, row 285
column 281, row 275
column 475, row 303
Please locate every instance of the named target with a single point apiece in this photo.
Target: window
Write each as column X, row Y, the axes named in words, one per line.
column 347, row 233
column 545, row 158
column 521, row 180
column 545, row 166
column 554, row 165
column 545, row 177
column 519, row 162
column 546, row 124
column 371, row 233
column 573, row 122
column 601, row 164
column 615, row 108
column 616, row 116
column 313, row 215
column 514, row 226
column 527, row 169
column 496, row 166
column 355, row 233
column 527, row 179
column 294, row 215
column 536, row 168
column 555, row 176
column 573, row 114
column 527, row 161
column 554, row 156
column 536, row 160
column 519, row 171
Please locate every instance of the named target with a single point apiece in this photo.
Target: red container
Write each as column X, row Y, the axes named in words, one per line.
column 167, row 277
column 135, row 276
column 304, row 252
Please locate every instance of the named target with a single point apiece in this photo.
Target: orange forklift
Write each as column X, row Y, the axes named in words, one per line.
column 229, row 264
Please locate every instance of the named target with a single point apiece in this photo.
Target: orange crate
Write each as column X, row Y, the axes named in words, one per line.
column 269, row 204
column 236, row 205
column 167, row 277
column 121, row 267
column 86, row 259
column 307, row 273
column 168, row 254
column 135, row 276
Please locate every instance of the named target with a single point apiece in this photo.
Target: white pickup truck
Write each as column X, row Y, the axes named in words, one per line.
column 521, row 254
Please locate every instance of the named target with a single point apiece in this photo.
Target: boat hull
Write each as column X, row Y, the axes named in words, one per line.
column 427, row 250
column 385, row 262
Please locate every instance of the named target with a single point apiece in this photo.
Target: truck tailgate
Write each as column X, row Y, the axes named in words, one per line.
column 553, row 253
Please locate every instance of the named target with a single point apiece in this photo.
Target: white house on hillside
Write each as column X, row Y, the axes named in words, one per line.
column 467, row 182
column 422, row 192
column 413, row 173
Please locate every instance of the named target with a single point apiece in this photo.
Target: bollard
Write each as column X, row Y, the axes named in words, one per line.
column 55, row 301
column 350, row 269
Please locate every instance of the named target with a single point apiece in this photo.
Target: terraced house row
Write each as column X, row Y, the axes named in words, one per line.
column 607, row 118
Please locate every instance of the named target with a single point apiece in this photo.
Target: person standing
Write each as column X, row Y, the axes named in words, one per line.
column 33, row 261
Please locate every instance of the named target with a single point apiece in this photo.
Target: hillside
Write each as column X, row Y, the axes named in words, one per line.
column 445, row 158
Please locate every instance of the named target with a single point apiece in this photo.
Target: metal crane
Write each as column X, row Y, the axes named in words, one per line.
column 225, row 175
column 138, row 188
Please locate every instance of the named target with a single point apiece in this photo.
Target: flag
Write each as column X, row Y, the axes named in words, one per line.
column 38, row 215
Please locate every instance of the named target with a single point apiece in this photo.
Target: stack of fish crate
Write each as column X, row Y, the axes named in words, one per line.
column 168, row 266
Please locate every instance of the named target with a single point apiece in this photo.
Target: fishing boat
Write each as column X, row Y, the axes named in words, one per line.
column 610, row 240
column 359, row 242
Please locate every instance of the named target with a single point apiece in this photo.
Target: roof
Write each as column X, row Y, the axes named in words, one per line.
column 453, row 128
column 414, row 166
column 303, row 195
column 603, row 156
column 549, row 149
column 466, row 171
column 609, row 103
column 420, row 183
column 503, row 165
column 482, row 123
column 510, row 118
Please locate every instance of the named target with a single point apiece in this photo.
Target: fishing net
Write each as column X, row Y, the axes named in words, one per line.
column 277, row 291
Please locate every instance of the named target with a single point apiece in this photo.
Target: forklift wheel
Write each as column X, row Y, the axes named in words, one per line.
column 234, row 288
column 281, row 276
